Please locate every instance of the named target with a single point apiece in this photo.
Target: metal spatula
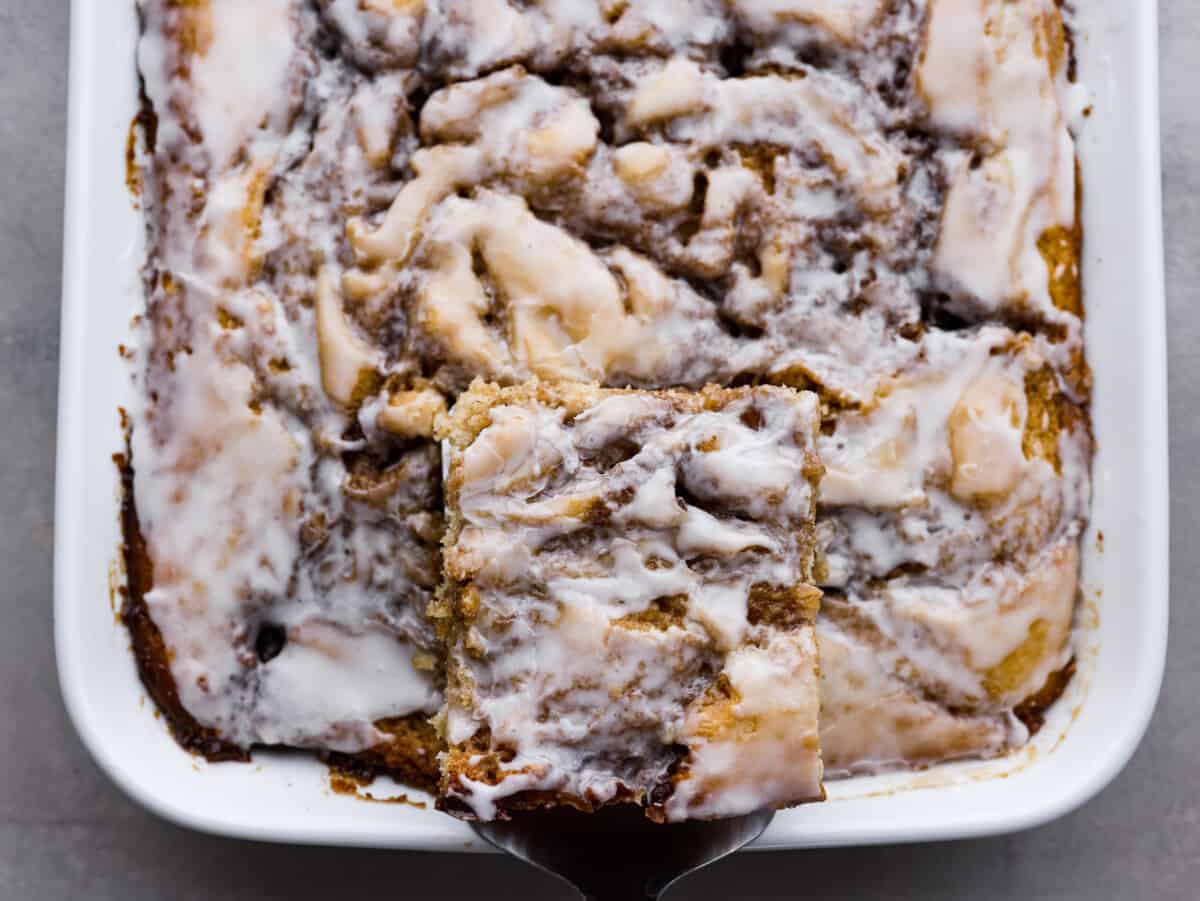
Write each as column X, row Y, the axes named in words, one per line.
column 616, row 854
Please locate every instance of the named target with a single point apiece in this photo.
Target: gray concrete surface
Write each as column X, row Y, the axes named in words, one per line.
column 66, row 833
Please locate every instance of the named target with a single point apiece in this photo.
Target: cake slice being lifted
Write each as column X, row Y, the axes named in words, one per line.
column 628, row 601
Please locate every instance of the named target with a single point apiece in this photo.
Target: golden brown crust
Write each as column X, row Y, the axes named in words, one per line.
column 149, row 652
column 1032, row 711
column 410, row 755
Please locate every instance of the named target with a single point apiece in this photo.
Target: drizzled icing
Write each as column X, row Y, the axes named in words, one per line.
column 846, row 20
column 788, row 220
column 358, row 206
column 240, row 72
column 609, row 555
column 994, row 74
column 952, row 509
column 290, row 570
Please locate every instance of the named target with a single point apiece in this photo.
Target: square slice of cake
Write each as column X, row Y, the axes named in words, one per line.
column 628, row 602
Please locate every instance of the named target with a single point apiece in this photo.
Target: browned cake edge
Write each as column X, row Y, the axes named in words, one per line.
column 410, row 755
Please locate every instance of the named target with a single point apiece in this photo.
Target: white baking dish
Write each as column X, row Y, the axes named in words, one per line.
column 1090, row 734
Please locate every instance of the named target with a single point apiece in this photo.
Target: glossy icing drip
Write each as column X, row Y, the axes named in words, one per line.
column 952, row 510
column 609, row 558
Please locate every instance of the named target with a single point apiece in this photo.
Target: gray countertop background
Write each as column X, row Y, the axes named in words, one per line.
column 66, row 832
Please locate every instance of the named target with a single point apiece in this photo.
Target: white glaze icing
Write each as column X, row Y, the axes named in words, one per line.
column 560, row 666
column 769, row 750
column 252, row 520
column 657, row 192
column 993, row 76
column 839, row 175
column 954, row 536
